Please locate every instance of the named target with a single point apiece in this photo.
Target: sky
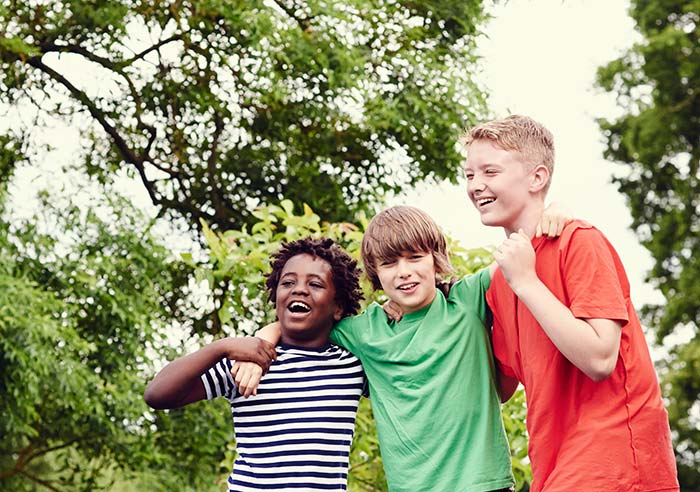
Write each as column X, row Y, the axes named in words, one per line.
column 540, row 59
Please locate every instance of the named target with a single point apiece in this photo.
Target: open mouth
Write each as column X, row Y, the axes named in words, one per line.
column 484, row 201
column 299, row 307
column 407, row 286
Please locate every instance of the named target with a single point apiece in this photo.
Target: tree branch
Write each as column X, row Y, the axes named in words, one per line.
column 19, row 464
column 29, row 454
column 116, row 67
column 124, row 149
column 44, row 483
column 155, row 47
column 305, row 24
column 220, row 208
column 41, row 452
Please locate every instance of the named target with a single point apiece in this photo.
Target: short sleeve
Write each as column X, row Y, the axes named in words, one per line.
column 218, row 380
column 499, row 338
column 594, row 278
column 348, row 332
column 471, row 292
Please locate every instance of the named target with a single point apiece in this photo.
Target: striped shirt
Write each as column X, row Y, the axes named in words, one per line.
column 295, row 435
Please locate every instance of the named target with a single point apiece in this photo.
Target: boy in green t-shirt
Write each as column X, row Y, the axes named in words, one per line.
column 431, row 375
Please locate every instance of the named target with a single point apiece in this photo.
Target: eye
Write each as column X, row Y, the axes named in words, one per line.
column 386, row 263
column 286, row 283
column 491, row 172
column 317, row 285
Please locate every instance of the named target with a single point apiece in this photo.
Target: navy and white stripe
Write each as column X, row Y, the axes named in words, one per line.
column 295, row 435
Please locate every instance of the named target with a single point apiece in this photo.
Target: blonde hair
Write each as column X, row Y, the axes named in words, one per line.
column 398, row 230
column 517, row 133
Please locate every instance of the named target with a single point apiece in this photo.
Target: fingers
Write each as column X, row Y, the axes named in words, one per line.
column 392, row 310
column 264, row 353
column 247, row 379
column 393, row 314
column 270, row 350
column 511, row 245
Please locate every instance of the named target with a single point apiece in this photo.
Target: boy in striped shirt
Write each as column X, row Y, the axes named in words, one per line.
column 296, row 434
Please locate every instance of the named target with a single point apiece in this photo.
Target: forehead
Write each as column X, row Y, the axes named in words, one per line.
column 487, row 152
column 306, row 264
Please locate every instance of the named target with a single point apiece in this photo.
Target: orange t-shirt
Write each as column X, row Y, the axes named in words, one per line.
column 610, row 436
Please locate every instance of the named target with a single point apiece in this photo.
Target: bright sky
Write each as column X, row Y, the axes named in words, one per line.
column 540, row 59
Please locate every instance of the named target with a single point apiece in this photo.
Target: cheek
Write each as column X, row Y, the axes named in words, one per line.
column 384, row 278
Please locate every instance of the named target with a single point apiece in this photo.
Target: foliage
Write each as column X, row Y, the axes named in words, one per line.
column 216, row 105
column 657, row 139
column 238, row 258
column 85, row 296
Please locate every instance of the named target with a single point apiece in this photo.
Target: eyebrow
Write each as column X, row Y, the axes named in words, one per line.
column 313, row 275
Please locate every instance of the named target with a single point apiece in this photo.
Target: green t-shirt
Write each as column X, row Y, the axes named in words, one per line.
column 433, row 393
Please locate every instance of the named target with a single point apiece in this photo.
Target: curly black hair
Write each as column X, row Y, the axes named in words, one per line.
column 346, row 273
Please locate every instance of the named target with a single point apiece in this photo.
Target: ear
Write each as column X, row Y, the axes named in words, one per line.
column 539, row 177
column 338, row 313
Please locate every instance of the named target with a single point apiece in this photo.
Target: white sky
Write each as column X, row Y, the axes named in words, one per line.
column 540, row 59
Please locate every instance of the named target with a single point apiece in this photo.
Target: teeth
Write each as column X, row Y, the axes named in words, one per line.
column 299, row 307
column 484, row 201
column 407, row 286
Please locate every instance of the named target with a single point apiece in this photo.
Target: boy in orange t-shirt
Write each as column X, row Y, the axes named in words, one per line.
column 564, row 326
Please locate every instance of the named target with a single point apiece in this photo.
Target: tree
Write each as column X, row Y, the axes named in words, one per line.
column 239, row 258
column 657, row 139
column 85, row 296
column 216, row 106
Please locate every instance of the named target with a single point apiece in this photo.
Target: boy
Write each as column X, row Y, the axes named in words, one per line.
column 565, row 327
column 431, row 373
column 296, row 434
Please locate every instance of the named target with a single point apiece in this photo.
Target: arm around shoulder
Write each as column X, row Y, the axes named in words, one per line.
column 179, row 383
column 592, row 345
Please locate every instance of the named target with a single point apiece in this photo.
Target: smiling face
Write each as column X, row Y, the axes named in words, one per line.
column 505, row 190
column 409, row 280
column 305, row 301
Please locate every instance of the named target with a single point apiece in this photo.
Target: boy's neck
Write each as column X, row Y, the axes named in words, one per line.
column 527, row 220
column 321, row 340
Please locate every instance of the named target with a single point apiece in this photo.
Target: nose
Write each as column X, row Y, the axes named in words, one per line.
column 300, row 288
column 475, row 185
column 402, row 268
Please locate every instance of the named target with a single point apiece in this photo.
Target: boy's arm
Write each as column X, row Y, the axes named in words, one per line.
column 179, row 383
column 592, row 344
column 553, row 220
column 248, row 374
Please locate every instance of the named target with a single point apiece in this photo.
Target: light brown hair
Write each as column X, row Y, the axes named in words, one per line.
column 403, row 229
column 517, row 133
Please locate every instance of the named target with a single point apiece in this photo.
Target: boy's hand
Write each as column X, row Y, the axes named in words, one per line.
column 516, row 258
column 247, row 376
column 553, row 220
column 392, row 310
column 252, row 349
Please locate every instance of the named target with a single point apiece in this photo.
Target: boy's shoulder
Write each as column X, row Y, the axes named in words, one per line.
column 573, row 231
column 581, row 247
column 575, row 225
column 477, row 282
column 362, row 319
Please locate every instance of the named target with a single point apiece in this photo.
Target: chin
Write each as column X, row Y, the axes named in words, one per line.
column 489, row 221
column 492, row 220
